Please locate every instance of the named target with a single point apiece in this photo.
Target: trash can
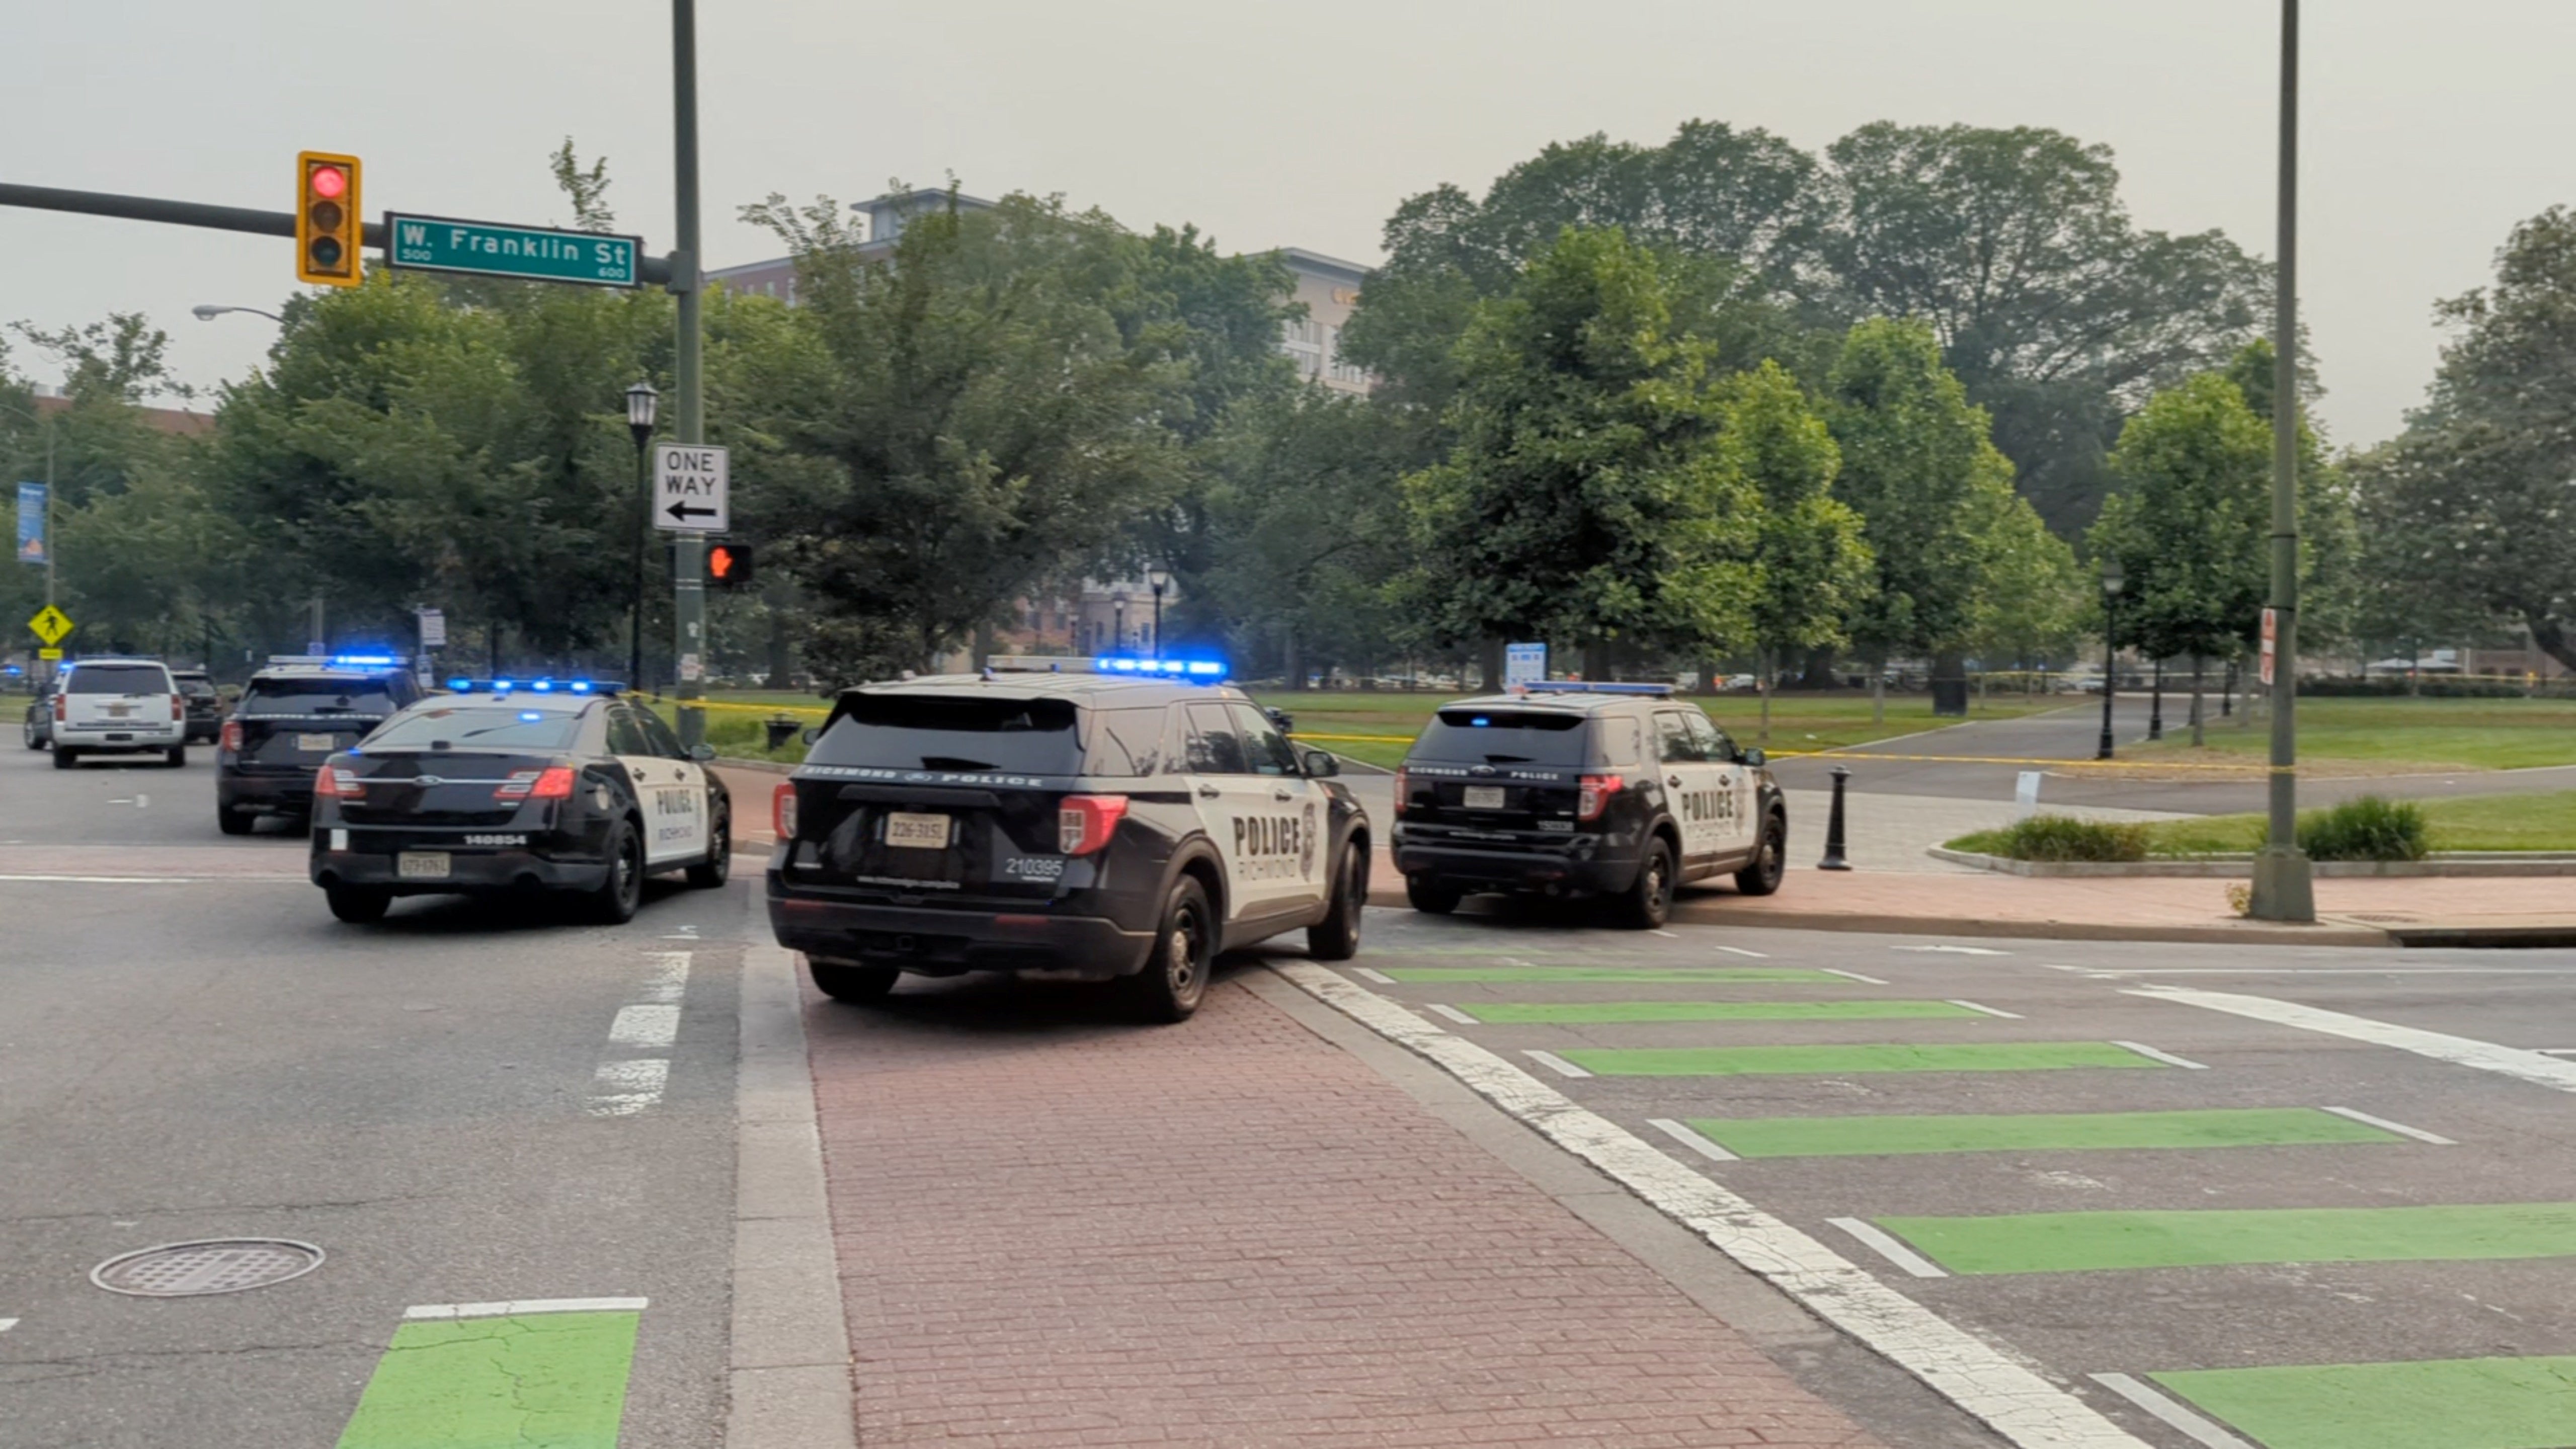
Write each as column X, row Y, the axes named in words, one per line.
column 1950, row 697
column 781, row 728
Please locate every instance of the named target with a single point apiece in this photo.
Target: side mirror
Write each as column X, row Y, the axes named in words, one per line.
column 811, row 734
column 1321, row 766
column 1756, row 758
column 1281, row 720
column 702, row 752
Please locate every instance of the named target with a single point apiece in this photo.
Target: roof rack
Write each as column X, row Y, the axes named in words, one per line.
column 1585, row 686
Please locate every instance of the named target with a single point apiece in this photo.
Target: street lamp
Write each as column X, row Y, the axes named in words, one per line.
column 1160, row 579
column 208, row 312
column 2110, row 649
column 1118, row 611
column 641, row 402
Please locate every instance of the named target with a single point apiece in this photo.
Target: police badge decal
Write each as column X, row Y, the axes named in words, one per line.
column 1306, row 839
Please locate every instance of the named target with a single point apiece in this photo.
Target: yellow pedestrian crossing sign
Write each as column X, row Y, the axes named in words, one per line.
column 50, row 625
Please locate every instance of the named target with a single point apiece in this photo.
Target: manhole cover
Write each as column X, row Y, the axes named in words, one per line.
column 216, row 1265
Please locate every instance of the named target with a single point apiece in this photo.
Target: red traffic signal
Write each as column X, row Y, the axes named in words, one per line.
column 328, row 230
column 728, row 565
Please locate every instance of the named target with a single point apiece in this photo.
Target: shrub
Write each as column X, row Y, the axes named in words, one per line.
column 2365, row 828
column 2062, row 837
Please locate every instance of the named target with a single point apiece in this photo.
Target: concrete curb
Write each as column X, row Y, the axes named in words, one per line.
column 2241, row 867
column 767, row 767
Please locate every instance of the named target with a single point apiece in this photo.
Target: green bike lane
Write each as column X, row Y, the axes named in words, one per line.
column 2240, row 1226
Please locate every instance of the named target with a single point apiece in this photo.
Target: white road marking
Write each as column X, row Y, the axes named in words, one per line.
column 1695, row 1142
column 1380, row 977
column 2329, row 970
column 1988, row 1010
column 2400, row 1128
column 515, row 1308
column 1981, row 1379
column 1890, row 1249
column 1954, row 950
column 2558, row 1051
column 2168, row 1058
column 1853, row 975
column 645, row 1026
column 7, row 1323
column 1453, row 1013
column 1740, row 951
column 1556, row 1064
column 2201, row 1430
column 1668, row 934
column 670, row 977
column 138, row 879
column 2535, row 1067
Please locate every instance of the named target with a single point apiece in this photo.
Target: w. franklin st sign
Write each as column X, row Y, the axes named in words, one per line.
column 491, row 249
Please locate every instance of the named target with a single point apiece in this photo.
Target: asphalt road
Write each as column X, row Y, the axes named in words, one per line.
column 206, row 1053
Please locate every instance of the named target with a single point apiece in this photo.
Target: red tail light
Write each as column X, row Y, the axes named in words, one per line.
column 782, row 810
column 59, row 703
column 326, row 785
column 178, row 707
column 232, row 735
column 1083, row 822
column 1595, row 796
column 1403, row 790
column 552, row 783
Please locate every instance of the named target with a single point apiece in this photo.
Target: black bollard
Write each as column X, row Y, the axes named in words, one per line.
column 1834, row 827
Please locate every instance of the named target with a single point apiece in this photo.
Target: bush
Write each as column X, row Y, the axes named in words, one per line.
column 2060, row 837
column 2365, row 828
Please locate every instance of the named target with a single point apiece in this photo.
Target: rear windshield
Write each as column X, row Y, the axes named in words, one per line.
column 119, row 679
column 1503, row 737
column 317, row 696
column 195, row 686
column 478, row 727
column 936, row 732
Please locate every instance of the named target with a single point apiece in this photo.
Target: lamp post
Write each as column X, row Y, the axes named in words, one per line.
column 1118, row 611
column 45, row 420
column 641, row 403
column 1160, row 579
column 2110, row 649
column 208, row 312
column 2156, row 704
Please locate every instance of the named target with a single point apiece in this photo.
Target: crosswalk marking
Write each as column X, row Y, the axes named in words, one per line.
column 2201, row 1430
column 1692, row 1140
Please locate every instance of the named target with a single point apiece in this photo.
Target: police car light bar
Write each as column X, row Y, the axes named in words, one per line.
column 1583, row 686
column 1201, row 671
column 462, row 685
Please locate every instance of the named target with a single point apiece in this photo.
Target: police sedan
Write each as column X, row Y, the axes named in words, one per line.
column 517, row 787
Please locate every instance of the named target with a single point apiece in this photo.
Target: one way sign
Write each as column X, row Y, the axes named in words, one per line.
column 689, row 488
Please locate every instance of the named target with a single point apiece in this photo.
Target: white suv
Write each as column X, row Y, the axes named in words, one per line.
column 119, row 707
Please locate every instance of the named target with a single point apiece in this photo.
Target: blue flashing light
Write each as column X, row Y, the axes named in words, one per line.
column 1480, row 721
column 1207, row 668
column 543, row 686
column 501, row 686
column 459, row 685
column 530, row 716
column 365, row 659
column 581, row 686
column 1203, row 669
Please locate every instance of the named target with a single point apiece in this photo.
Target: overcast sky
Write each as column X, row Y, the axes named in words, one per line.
column 2431, row 128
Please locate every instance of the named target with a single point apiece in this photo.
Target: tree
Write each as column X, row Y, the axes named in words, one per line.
column 1815, row 567
column 1586, row 497
column 2033, row 603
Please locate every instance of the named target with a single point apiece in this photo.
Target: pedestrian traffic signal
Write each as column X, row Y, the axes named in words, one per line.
column 729, row 565
column 328, row 229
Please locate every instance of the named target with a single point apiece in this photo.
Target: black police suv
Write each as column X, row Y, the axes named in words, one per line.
column 290, row 717
column 1097, row 826
column 509, row 787
column 204, row 705
column 1601, row 790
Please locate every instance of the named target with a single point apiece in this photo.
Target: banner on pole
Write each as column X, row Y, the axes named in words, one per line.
column 32, row 542
column 2271, row 631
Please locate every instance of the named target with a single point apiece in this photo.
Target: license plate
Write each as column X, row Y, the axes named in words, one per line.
column 1484, row 797
column 323, row 743
column 421, row 865
column 917, row 832
column 119, row 711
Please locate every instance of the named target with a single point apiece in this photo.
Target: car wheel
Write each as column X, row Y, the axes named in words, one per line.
column 1649, row 903
column 358, row 905
column 1174, row 980
column 852, row 981
column 233, row 822
column 719, row 864
column 618, row 896
column 1337, row 936
column 34, row 740
column 1761, row 875
column 1432, row 897
column 176, row 757
column 65, row 757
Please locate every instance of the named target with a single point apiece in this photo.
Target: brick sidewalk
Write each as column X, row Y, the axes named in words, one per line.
column 1058, row 1230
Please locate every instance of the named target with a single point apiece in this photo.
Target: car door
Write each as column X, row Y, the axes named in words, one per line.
column 1733, row 783
column 1690, row 786
column 672, row 804
column 1289, row 839
column 1229, row 799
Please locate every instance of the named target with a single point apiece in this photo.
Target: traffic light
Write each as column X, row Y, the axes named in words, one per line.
column 328, row 229
column 729, row 565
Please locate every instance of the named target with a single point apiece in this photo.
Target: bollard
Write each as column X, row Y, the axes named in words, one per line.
column 781, row 728
column 1834, row 827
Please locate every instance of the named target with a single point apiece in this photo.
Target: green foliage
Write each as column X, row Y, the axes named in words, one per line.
column 2366, row 827
column 2059, row 838
column 1815, row 566
column 2190, row 528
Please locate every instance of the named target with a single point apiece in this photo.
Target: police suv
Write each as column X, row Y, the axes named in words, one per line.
column 1115, row 819
column 290, row 716
column 1571, row 789
column 118, row 707
column 514, row 787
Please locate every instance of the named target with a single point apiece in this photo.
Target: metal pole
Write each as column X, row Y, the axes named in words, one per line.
column 2283, row 887
column 643, row 526
column 1834, row 859
column 689, row 557
column 2110, row 667
column 2156, row 704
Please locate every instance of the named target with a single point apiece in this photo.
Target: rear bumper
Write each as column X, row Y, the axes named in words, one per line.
column 951, row 942
column 375, row 865
column 112, row 739
column 1584, row 865
column 234, row 791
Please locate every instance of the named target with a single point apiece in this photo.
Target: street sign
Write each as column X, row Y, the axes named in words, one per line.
column 1524, row 664
column 433, row 628
column 49, row 654
column 497, row 249
column 50, row 624
column 689, row 488
column 2271, row 632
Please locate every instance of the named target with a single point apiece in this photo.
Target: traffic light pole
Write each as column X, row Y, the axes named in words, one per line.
column 689, row 556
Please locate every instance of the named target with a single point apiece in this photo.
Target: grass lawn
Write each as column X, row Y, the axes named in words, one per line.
column 1799, row 721
column 2466, row 822
column 2485, row 734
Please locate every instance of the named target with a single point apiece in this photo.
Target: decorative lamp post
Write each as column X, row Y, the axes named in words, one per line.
column 1160, row 579
column 2110, row 649
column 1118, row 632
column 641, row 403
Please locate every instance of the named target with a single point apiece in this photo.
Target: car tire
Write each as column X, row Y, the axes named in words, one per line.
column 65, row 757
column 621, row 893
column 27, row 728
column 855, row 982
column 1337, row 936
column 1647, row 904
column 1174, row 980
column 1762, row 874
column 719, row 866
column 358, row 905
column 1431, row 897
column 176, row 757
column 233, row 822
